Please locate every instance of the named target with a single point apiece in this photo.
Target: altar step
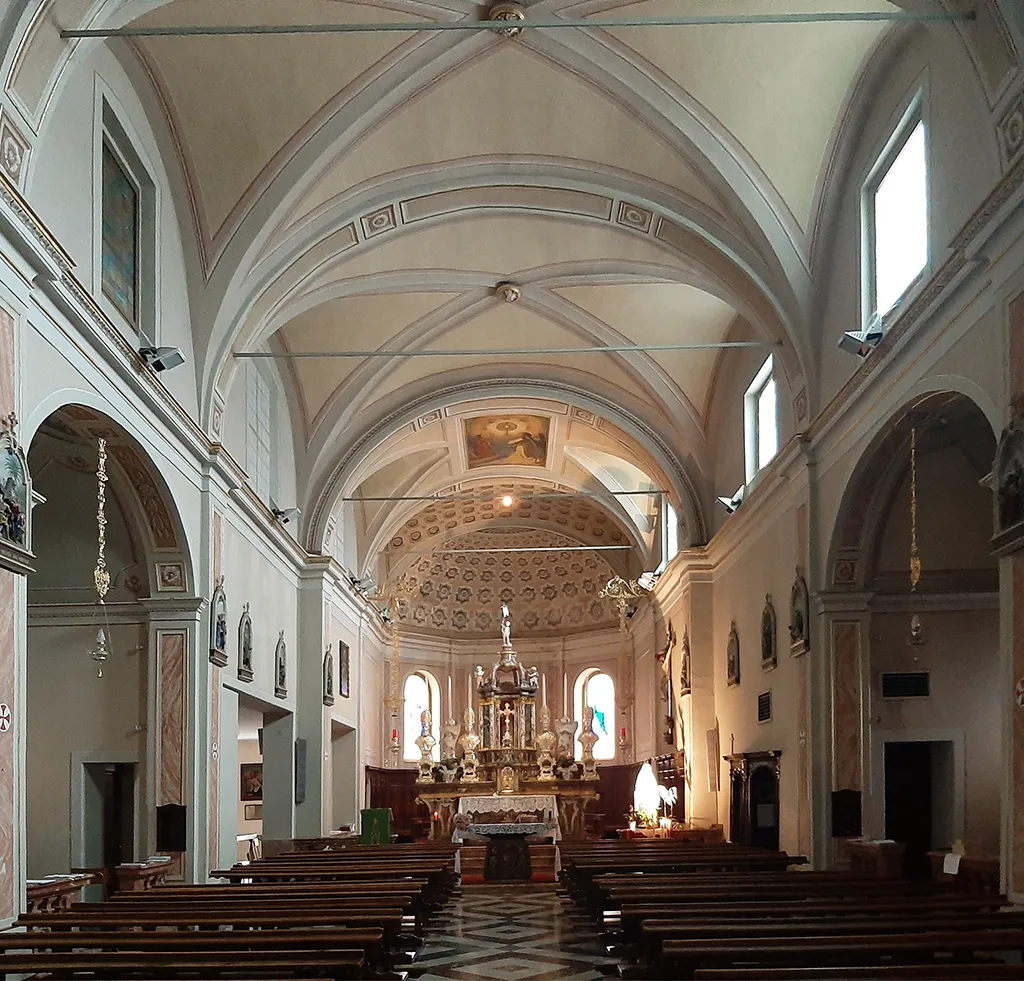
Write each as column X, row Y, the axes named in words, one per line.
column 542, row 861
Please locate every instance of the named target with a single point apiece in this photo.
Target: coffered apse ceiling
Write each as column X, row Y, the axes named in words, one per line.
column 369, row 192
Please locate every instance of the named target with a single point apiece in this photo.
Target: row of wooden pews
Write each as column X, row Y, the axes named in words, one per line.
column 726, row 912
column 355, row 913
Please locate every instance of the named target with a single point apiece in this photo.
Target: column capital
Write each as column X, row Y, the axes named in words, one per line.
column 174, row 608
column 842, row 602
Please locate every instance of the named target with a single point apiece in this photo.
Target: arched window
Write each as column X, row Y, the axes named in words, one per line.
column 595, row 688
column 421, row 692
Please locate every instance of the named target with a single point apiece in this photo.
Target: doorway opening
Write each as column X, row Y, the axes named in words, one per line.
column 764, row 808
column 919, row 800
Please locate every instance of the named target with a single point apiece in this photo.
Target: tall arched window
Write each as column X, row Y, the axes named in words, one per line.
column 421, row 692
column 595, row 688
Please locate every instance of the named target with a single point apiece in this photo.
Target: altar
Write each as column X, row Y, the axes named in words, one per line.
column 520, row 769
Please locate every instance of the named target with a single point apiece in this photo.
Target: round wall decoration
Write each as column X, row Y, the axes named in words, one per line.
column 5, row 717
column 1018, row 693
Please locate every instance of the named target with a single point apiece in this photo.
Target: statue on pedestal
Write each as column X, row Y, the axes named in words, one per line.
column 426, row 742
column 506, row 628
column 566, row 730
column 587, row 740
column 449, row 739
column 468, row 742
column 546, row 742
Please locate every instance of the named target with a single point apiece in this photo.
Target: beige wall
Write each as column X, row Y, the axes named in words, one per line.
column 70, row 710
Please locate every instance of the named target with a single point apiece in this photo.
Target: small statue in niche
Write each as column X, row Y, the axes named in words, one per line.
column 799, row 616
column 449, row 739
column 684, row 665
column 245, row 645
column 219, row 625
column 732, row 657
column 281, row 668
column 768, row 634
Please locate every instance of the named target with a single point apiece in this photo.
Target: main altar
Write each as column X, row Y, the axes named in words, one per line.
column 518, row 774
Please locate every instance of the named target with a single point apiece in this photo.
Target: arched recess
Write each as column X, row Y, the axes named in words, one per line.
column 936, row 417
column 106, row 690
column 924, row 471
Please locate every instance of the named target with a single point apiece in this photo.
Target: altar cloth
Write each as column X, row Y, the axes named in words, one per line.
column 510, row 802
column 532, row 828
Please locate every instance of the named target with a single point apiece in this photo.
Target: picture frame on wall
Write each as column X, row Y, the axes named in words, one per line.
column 254, row 812
column 250, row 781
column 344, row 688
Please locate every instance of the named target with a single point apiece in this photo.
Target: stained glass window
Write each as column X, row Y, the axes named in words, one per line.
column 120, row 205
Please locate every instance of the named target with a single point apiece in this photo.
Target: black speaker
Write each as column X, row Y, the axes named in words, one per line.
column 170, row 828
column 300, row 771
column 846, row 820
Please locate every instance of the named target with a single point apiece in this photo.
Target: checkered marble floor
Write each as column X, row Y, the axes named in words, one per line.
column 510, row 932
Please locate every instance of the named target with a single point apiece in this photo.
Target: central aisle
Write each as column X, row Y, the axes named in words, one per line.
column 510, row 932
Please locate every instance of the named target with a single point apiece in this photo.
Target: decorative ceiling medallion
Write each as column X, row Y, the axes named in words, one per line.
column 508, row 292
column 633, row 216
column 14, row 150
column 375, row 222
column 511, row 12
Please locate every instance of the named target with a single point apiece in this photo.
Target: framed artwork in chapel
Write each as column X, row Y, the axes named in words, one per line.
column 250, row 781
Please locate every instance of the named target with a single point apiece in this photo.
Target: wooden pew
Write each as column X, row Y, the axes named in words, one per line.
column 947, row 971
column 684, row 957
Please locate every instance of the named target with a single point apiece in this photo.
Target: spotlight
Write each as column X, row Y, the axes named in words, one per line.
column 506, row 501
column 162, row 358
column 286, row 514
column 647, row 580
column 862, row 342
column 731, row 503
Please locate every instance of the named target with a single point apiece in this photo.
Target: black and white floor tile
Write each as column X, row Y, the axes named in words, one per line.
column 511, row 932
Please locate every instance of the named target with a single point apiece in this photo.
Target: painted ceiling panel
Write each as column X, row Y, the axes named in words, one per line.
column 354, row 323
column 663, row 313
column 273, row 85
column 777, row 89
column 470, row 114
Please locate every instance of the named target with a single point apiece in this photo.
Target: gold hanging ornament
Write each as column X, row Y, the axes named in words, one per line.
column 101, row 576
column 916, row 631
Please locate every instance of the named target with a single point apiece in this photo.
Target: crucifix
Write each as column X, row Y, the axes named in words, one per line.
column 506, row 724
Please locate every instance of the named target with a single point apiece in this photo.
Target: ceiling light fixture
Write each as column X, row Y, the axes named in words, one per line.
column 506, row 501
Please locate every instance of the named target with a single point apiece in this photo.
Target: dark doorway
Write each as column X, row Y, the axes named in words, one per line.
column 737, row 831
column 110, row 814
column 908, row 803
column 764, row 808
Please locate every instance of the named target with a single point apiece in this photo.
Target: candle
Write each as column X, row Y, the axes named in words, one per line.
column 565, row 694
column 394, row 734
column 469, row 690
column 623, row 732
column 543, row 689
column 451, row 706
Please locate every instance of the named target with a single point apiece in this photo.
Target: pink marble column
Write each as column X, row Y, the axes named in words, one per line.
column 172, row 646
column 213, row 796
column 803, row 758
column 846, row 705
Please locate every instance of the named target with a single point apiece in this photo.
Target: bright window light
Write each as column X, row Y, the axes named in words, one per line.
column 760, row 420
column 900, row 222
column 596, row 689
column 767, row 430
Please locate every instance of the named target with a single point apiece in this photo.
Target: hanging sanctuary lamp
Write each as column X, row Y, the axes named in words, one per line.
column 916, row 631
column 101, row 575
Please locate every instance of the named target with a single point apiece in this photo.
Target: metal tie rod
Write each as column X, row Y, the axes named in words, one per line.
column 549, row 23
column 609, row 349
column 533, row 548
column 532, row 495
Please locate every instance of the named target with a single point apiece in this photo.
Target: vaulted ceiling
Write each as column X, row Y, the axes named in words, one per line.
column 368, row 192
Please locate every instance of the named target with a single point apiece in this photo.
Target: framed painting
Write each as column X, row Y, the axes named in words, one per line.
column 344, row 683
column 254, row 812
column 250, row 781
column 515, row 440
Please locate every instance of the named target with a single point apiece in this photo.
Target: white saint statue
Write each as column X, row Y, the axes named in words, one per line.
column 506, row 627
